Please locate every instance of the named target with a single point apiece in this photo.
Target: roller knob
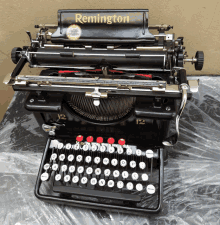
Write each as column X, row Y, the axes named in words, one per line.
column 121, row 141
column 99, row 140
column 14, row 54
column 89, row 139
column 111, row 140
column 79, row 138
column 200, row 60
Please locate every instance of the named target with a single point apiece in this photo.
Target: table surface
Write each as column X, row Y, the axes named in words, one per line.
column 191, row 178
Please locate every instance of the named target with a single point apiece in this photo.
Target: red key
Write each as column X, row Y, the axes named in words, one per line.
column 99, row 140
column 89, row 139
column 111, row 140
column 121, row 141
column 79, row 138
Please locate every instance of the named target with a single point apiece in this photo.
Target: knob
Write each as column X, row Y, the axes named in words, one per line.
column 14, row 54
column 200, row 60
column 121, row 141
column 111, row 140
column 79, row 138
column 89, row 139
column 99, row 140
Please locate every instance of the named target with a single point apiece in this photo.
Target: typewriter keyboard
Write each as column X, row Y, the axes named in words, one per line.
column 102, row 168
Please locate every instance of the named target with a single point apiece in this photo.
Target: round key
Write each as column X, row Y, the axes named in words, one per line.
column 70, row 158
column 97, row 160
column 55, row 167
column 150, row 189
column 75, row 179
column 149, row 153
column 72, row 169
column 89, row 139
column 132, row 164
column 80, row 169
column 99, row 140
column 57, row 177
column 67, row 178
column 139, row 187
column 129, row 151
column 79, row 158
column 101, row 182
column 93, row 181
column 142, row 165
column 107, row 172
column 89, row 170
column 94, row 147
column 121, row 141
column 60, row 146
column 64, row 168
column 79, row 138
column 54, row 156
column 120, row 150
column 144, row 177
column 111, row 183
column 84, row 180
column 114, row 162
column 61, row 157
column 111, row 149
column 138, row 152
column 88, row 159
column 103, row 148
column 44, row 176
column 129, row 186
column 46, row 166
column 120, row 184
column 116, row 173
column 76, row 146
column 85, row 147
column 68, row 146
column 125, row 174
column 123, row 163
column 98, row 171
column 134, row 176
column 105, row 161
column 111, row 141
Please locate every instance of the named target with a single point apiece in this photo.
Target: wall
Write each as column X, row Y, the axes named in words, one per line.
column 197, row 21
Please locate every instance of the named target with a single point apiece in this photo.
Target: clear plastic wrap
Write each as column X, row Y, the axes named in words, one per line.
column 191, row 178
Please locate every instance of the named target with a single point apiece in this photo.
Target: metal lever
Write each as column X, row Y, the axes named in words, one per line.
column 29, row 35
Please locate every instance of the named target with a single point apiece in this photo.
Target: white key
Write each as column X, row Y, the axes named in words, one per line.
column 102, row 182
column 98, row 171
column 129, row 186
column 120, row 150
column 86, row 147
column 80, row 169
column 72, row 169
column 70, row 158
column 134, row 176
column 114, row 162
column 123, row 163
column 76, row 146
column 149, row 153
column 93, row 181
column 139, row 187
column 60, row 146
column 61, row 157
column 111, row 183
column 64, row 168
column 150, row 189
column 94, row 147
column 44, row 176
column 125, row 174
column 75, row 179
column 105, row 161
column 103, row 148
column 68, row 146
column 138, row 152
column 144, row 177
column 120, row 184
column 67, row 178
column 53, row 156
column 116, row 173
column 79, row 158
column 57, row 177
column 46, row 166
column 132, row 164
column 142, row 165
column 107, row 172
column 88, row 159
column 89, row 170
column 129, row 151
column 97, row 160
column 55, row 167
column 84, row 180
column 111, row 149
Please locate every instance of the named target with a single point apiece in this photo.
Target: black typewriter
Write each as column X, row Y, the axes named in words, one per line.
column 106, row 96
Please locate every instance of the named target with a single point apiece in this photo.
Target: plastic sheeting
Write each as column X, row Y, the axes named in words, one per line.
column 191, row 182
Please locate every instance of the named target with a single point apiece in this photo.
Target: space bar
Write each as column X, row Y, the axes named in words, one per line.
column 97, row 193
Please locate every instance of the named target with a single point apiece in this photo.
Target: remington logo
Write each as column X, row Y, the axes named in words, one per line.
column 79, row 18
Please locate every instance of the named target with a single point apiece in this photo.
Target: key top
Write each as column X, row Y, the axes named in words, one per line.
column 120, row 184
column 85, row 147
column 116, row 173
column 111, row 183
column 120, row 150
column 103, row 148
column 55, row 167
column 94, row 147
column 84, row 180
column 88, row 159
column 98, row 171
column 129, row 186
column 62, row 157
column 54, row 156
column 134, row 176
column 149, row 153
column 114, row 162
column 142, row 165
column 64, row 168
column 138, row 152
column 139, row 187
column 150, row 189
column 67, row 178
column 46, row 166
column 75, row 179
column 111, row 149
column 72, row 169
column 125, row 174
column 132, row 164
column 144, row 177
column 97, row 160
column 68, row 146
column 89, row 170
column 60, row 146
column 44, row 176
column 70, row 158
column 79, row 158
column 101, row 182
column 105, row 161
column 123, row 163
column 80, row 169
column 58, row 177
column 93, row 181
column 107, row 172
column 76, row 146
column 129, row 151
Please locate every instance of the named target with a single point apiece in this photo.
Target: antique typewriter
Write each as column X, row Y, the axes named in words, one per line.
column 106, row 96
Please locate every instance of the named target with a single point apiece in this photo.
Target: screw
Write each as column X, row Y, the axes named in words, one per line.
column 168, row 108
column 31, row 100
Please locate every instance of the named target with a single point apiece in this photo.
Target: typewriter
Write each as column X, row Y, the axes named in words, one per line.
column 106, row 96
